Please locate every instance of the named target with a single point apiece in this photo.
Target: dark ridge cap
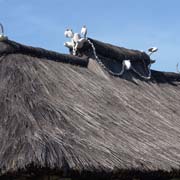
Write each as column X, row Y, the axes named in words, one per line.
column 165, row 77
column 11, row 47
column 118, row 53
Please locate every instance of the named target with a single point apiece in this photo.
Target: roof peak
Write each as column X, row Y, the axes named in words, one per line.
column 110, row 54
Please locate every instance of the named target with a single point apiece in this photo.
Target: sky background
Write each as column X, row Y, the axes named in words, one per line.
column 135, row 24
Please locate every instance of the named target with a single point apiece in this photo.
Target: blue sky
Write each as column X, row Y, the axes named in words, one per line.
column 135, row 24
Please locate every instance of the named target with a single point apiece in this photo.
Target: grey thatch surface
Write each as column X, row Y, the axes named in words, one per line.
column 59, row 116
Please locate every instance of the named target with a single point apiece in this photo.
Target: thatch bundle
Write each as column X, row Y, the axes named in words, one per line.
column 64, row 120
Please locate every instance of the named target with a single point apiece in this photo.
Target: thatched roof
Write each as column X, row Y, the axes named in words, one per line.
column 57, row 117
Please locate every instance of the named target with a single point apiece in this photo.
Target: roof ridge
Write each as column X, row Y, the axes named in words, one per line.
column 12, row 47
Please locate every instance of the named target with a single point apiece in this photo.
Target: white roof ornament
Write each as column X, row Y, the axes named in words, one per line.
column 69, row 33
column 2, row 36
column 177, row 67
column 69, row 44
column 127, row 64
column 76, row 41
column 152, row 50
column 84, row 31
column 76, row 37
column 2, row 30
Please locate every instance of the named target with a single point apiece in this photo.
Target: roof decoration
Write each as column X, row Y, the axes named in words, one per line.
column 152, row 50
column 2, row 36
column 84, row 31
column 177, row 67
column 76, row 40
column 78, row 44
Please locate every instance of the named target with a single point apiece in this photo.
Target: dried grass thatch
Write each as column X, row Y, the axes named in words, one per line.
column 65, row 119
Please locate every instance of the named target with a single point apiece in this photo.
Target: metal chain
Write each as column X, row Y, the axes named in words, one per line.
column 144, row 77
column 102, row 65
column 75, row 47
column 122, row 71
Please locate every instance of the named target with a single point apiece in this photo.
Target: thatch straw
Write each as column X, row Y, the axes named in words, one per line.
column 61, row 118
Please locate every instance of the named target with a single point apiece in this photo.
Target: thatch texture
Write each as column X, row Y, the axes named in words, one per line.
column 56, row 117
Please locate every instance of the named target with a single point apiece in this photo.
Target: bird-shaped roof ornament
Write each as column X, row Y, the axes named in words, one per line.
column 2, row 36
column 2, row 30
column 76, row 37
column 127, row 64
column 84, row 31
column 69, row 33
column 152, row 50
column 177, row 68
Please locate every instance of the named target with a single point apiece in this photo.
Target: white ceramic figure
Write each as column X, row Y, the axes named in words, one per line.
column 84, row 31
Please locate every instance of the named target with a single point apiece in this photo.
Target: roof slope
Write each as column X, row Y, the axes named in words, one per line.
column 64, row 117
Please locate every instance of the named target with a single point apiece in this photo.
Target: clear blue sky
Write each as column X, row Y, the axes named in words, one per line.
column 136, row 24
